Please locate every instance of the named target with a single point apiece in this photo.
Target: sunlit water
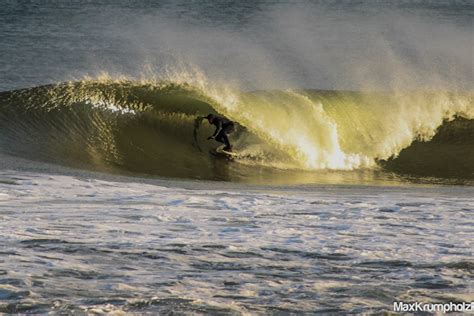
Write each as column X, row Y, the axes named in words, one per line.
column 74, row 241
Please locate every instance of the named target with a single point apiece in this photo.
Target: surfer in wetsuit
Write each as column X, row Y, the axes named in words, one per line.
column 223, row 128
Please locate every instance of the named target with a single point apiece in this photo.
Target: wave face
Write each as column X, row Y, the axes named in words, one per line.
column 147, row 127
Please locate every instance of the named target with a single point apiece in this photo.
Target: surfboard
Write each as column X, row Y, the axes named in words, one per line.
column 220, row 153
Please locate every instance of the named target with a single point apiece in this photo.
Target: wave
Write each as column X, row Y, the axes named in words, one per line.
column 147, row 127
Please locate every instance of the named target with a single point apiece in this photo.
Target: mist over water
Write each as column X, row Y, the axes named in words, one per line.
column 263, row 45
column 321, row 46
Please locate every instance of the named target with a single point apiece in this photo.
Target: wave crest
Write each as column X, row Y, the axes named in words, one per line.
column 147, row 127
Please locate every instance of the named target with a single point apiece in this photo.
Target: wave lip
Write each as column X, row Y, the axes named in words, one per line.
column 147, row 127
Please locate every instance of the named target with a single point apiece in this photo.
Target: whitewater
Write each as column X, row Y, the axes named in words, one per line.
column 353, row 188
column 89, row 244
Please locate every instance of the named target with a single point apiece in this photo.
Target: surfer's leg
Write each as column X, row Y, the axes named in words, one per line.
column 222, row 138
column 227, row 130
column 228, row 146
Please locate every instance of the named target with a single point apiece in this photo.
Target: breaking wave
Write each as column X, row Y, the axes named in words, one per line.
column 147, row 127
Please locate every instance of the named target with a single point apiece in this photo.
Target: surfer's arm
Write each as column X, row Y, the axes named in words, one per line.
column 218, row 129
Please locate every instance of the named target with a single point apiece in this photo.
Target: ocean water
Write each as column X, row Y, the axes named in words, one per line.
column 353, row 182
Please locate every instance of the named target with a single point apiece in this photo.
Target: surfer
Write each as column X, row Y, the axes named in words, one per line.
column 223, row 128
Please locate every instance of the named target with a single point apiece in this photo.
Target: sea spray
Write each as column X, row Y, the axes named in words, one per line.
column 146, row 126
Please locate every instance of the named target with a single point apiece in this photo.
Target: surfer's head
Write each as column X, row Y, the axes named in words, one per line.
column 210, row 117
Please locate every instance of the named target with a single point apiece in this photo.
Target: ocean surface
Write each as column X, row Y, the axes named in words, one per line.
column 352, row 187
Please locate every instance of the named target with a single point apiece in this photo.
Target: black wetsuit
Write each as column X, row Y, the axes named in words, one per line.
column 223, row 128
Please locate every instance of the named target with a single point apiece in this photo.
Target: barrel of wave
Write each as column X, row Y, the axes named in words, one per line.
column 294, row 124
